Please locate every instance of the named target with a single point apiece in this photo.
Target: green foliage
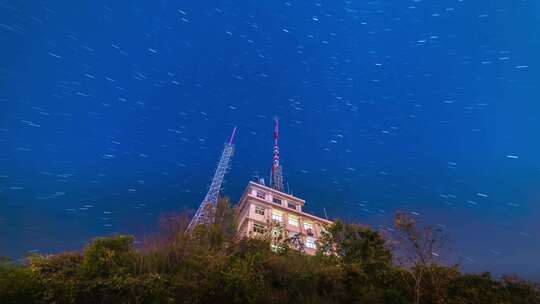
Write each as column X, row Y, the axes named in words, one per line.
column 59, row 275
column 364, row 259
column 18, row 284
column 356, row 244
column 353, row 265
column 243, row 279
column 108, row 257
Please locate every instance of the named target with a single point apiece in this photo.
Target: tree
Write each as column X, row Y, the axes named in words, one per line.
column 220, row 232
column 108, row 256
column 418, row 249
column 355, row 244
column 364, row 258
column 59, row 274
column 18, row 284
column 517, row 290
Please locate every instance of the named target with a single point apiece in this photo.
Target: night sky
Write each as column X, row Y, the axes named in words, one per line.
column 115, row 112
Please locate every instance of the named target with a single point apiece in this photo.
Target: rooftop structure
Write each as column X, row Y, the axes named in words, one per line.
column 276, row 175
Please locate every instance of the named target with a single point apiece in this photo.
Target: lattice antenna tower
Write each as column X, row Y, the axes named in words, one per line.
column 276, row 175
column 205, row 212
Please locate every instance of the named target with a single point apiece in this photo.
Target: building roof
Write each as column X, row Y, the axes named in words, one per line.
column 284, row 195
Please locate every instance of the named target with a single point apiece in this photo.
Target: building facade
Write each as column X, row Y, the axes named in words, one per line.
column 263, row 208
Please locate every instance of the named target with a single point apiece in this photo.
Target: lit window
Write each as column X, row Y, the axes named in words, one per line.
column 291, row 205
column 258, row 228
column 276, row 216
column 261, row 194
column 276, row 200
column 293, row 220
column 310, row 243
column 309, row 228
column 259, row 210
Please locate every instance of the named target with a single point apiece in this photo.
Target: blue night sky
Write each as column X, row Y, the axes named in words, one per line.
column 115, row 112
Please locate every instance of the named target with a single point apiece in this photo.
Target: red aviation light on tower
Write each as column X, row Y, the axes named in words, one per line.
column 276, row 178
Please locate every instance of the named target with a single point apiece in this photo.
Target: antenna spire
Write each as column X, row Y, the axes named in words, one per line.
column 276, row 177
column 232, row 136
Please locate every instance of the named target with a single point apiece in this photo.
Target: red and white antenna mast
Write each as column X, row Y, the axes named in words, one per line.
column 276, row 176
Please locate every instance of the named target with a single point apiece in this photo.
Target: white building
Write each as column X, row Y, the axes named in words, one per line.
column 260, row 206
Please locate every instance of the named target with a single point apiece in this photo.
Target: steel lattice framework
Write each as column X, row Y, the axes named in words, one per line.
column 276, row 175
column 205, row 212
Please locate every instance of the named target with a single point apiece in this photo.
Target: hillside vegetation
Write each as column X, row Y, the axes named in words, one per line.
column 355, row 265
